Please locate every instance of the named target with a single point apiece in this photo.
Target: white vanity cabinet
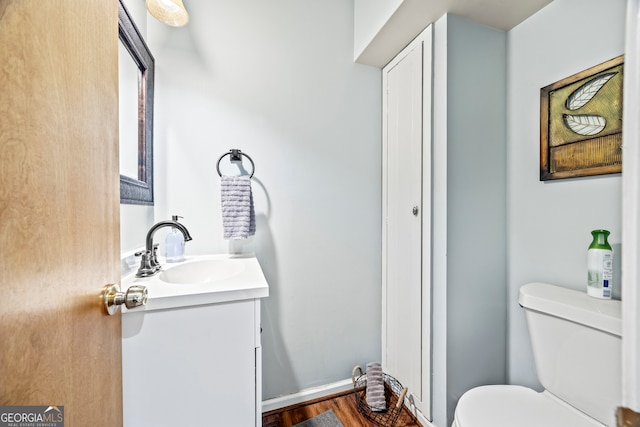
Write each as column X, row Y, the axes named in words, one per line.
column 193, row 364
column 197, row 365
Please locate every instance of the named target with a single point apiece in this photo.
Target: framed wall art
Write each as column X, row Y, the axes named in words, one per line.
column 581, row 123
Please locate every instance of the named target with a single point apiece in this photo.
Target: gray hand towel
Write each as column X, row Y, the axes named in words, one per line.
column 375, row 387
column 238, row 215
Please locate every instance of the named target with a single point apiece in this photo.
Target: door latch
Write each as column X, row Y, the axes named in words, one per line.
column 112, row 298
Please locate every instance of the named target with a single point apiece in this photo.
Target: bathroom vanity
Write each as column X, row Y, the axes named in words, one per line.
column 192, row 355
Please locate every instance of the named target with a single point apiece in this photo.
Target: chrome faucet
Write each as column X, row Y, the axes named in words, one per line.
column 149, row 264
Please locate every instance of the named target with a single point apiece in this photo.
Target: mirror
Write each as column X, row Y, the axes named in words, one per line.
column 136, row 76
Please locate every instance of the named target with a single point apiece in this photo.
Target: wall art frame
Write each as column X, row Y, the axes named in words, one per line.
column 581, row 123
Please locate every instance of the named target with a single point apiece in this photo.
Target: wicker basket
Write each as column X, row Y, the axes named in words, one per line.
column 394, row 395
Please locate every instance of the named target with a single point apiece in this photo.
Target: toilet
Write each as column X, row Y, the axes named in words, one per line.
column 576, row 341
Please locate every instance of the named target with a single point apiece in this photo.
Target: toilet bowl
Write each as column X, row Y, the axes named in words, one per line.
column 516, row 406
column 576, row 341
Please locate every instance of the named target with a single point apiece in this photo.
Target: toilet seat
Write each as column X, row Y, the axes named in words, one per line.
column 510, row 405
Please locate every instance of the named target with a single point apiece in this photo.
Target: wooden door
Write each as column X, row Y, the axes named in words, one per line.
column 406, row 335
column 59, row 208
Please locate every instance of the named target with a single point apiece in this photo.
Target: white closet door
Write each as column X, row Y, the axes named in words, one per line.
column 406, row 290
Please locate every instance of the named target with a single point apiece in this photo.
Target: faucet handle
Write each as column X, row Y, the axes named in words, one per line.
column 146, row 268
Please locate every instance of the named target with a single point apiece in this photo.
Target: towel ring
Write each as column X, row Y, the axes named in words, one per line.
column 236, row 156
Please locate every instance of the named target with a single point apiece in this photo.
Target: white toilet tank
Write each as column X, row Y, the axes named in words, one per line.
column 576, row 342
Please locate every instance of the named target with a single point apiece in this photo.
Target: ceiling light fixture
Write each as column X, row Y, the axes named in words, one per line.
column 171, row 12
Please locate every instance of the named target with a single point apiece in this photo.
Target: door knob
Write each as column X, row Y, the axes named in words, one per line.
column 415, row 210
column 112, row 298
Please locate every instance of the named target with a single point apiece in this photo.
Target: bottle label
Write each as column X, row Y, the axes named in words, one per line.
column 600, row 272
column 607, row 269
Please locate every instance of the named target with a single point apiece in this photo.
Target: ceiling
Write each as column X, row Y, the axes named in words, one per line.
column 501, row 14
column 412, row 16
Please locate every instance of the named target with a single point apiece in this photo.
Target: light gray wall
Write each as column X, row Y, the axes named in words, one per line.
column 550, row 223
column 476, row 286
column 135, row 220
column 469, row 210
column 277, row 80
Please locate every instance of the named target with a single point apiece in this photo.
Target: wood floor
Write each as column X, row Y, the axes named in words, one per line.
column 343, row 405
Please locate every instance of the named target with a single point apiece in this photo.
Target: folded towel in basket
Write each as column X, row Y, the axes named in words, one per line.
column 375, row 387
column 238, row 215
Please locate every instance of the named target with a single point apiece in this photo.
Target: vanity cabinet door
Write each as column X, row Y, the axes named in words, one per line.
column 191, row 366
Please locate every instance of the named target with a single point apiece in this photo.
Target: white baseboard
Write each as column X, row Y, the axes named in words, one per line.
column 306, row 395
column 318, row 392
column 423, row 421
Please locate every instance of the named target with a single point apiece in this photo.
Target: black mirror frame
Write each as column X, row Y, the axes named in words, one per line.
column 139, row 191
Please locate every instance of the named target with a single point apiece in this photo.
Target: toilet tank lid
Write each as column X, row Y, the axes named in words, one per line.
column 565, row 303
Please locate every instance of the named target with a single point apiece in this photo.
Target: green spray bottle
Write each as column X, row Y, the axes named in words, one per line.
column 600, row 265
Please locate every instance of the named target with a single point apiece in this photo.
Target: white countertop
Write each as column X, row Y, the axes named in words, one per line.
column 248, row 283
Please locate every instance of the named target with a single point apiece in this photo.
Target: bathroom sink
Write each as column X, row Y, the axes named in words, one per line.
column 202, row 279
column 201, row 271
